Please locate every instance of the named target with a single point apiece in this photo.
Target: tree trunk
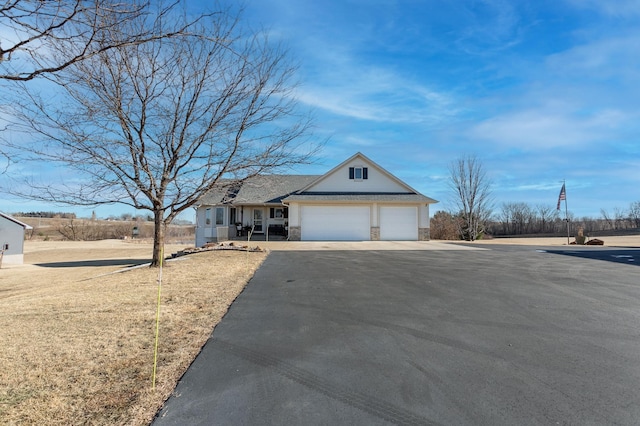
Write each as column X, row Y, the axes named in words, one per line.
column 158, row 237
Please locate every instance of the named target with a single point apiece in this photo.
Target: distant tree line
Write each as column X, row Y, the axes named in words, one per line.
column 128, row 217
column 475, row 216
column 48, row 215
column 89, row 230
column 521, row 218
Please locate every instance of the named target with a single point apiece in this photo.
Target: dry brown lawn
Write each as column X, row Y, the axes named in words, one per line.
column 77, row 340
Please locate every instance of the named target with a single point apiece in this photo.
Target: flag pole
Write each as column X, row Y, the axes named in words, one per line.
column 566, row 211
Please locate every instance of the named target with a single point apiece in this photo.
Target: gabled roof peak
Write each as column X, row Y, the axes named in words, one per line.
column 365, row 159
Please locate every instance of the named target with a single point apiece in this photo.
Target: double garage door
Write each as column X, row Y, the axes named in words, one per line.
column 353, row 223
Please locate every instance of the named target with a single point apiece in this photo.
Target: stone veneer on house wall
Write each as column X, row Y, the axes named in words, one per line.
column 375, row 233
column 294, row 233
column 424, row 234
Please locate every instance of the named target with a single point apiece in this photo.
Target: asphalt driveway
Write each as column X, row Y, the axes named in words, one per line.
column 483, row 337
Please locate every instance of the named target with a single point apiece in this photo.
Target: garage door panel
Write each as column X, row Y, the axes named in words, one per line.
column 335, row 223
column 398, row 223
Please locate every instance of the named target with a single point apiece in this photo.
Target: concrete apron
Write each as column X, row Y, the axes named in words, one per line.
column 359, row 245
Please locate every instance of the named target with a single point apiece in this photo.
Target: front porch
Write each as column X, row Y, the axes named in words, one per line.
column 272, row 234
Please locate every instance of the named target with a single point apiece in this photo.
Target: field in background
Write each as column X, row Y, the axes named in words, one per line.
column 77, row 339
column 96, row 229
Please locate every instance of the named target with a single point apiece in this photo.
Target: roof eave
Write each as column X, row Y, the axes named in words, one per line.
column 16, row 221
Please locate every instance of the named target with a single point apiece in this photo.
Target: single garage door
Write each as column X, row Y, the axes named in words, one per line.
column 335, row 223
column 398, row 223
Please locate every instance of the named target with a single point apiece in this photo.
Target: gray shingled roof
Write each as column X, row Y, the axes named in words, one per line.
column 274, row 189
column 266, row 189
column 223, row 193
column 271, row 188
column 364, row 197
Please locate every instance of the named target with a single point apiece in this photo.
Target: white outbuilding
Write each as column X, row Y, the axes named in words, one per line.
column 12, row 240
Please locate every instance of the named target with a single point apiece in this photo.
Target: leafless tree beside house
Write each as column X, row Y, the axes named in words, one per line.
column 634, row 213
column 156, row 125
column 472, row 196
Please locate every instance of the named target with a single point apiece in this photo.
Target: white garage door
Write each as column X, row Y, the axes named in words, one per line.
column 399, row 223
column 336, row 223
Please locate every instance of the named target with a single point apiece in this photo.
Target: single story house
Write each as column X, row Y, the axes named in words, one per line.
column 12, row 239
column 357, row 200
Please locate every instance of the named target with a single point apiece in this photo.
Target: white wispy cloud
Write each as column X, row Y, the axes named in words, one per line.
column 377, row 94
column 606, row 58
column 543, row 186
column 542, row 129
column 619, row 8
column 583, row 96
column 489, row 26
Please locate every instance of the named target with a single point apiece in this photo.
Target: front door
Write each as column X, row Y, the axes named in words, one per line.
column 257, row 221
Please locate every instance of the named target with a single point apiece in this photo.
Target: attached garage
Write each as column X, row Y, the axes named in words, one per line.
column 335, row 223
column 398, row 223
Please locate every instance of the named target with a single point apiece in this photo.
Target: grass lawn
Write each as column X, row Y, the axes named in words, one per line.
column 77, row 340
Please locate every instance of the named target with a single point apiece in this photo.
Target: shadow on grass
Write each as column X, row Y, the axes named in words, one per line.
column 97, row 262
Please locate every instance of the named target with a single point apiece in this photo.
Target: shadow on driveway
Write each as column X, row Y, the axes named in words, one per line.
column 626, row 256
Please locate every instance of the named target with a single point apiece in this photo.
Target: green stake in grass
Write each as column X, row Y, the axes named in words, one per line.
column 155, row 350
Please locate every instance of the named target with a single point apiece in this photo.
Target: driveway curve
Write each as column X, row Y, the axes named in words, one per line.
column 478, row 337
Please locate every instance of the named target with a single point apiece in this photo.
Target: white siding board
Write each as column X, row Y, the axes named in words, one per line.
column 339, row 181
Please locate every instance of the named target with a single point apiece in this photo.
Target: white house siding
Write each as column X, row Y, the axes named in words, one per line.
column 423, row 216
column 207, row 232
column 339, row 181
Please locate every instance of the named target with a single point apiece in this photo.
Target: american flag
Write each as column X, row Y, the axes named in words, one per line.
column 562, row 196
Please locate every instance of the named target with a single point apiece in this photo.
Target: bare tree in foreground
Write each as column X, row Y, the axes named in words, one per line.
column 39, row 38
column 33, row 31
column 472, row 198
column 157, row 125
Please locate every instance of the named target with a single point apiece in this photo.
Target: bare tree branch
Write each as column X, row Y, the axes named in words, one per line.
column 157, row 125
column 36, row 31
column 472, row 198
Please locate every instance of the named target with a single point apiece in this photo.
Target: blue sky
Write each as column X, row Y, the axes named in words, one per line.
column 539, row 91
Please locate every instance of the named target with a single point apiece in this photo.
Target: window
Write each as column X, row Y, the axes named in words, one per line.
column 276, row 213
column 232, row 216
column 219, row 215
column 358, row 173
column 207, row 216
